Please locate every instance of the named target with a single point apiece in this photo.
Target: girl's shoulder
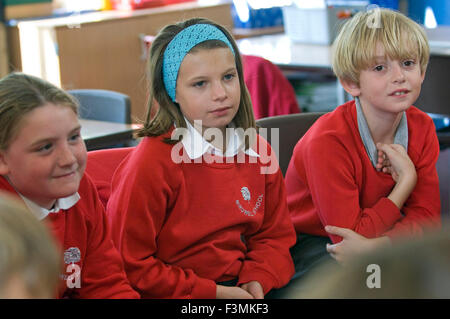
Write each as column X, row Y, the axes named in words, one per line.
column 152, row 150
column 151, row 159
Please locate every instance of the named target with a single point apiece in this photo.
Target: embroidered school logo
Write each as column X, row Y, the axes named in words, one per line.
column 245, row 193
column 247, row 197
column 71, row 256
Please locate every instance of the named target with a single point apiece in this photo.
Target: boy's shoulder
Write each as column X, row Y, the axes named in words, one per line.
column 414, row 115
column 337, row 125
column 421, row 129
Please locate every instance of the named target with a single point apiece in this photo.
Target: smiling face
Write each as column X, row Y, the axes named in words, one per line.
column 208, row 87
column 388, row 85
column 47, row 157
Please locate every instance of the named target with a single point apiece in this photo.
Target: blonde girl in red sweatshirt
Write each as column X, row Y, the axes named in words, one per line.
column 198, row 210
column 42, row 162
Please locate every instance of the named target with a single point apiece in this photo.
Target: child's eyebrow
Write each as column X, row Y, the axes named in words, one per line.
column 50, row 139
column 77, row 128
column 232, row 69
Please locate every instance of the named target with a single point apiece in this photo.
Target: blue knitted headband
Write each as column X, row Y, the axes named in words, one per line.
column 180, row 45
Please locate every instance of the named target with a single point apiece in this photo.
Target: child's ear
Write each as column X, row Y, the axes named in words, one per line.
column 423, row 74
column 350, row 87
column 4, row 169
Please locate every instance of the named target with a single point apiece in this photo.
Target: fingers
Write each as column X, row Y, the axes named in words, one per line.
column 339, row 231
column 399, row 148
column 387, row 149
column 254, row 288
column 333, row 250
column 391, row 149
column 387, row 170
column 382, row 165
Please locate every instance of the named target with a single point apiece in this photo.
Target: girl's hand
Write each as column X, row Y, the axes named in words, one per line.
column 225, row 292
column 254, row 288
column 352, row 244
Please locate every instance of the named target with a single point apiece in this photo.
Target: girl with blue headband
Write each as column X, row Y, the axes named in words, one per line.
column 201, row 213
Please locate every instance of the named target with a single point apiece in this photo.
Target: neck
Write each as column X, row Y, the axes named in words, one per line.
column 47, row 205
column 44, row 204
column 382, row 125
column 219, row 143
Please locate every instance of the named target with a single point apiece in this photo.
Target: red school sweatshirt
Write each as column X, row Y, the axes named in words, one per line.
column 331, row 180
column 85, row 240
column 182, row 227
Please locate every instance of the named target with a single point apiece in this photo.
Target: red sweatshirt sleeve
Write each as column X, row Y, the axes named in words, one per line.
column 143, row 194
column 103, row 274
column 422, row 209
column 330, row 173
column 268, row 260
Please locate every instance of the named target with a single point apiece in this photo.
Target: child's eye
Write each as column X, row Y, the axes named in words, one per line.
column 408, row 63
column 75, row 137
column 44, row 148
column 199, row 84
column 229, row 76
column 378, row 68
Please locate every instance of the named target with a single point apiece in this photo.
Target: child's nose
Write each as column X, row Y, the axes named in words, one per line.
column 398, row 73
column 218, row 91
column 66, row 156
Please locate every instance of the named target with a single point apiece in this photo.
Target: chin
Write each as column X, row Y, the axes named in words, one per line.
column 67, row 190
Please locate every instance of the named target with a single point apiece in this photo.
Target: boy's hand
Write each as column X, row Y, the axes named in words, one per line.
column 399, row 165
column 383, row 163
column 402, row 170
column 254, row 288
column 225, row 292
column 352, row 244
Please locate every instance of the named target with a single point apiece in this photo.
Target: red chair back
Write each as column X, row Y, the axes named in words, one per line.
column 101, row 165
column 271, row 92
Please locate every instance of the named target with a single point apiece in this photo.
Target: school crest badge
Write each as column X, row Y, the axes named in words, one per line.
column 246, row 195
column 72, row 255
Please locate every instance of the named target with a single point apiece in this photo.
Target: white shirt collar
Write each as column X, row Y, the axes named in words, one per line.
column 196, row 146
column 61, row 203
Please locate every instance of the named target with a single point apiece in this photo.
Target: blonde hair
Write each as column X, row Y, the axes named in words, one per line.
column 21, row 93
column 27, row 251
column 355, row 47
column 168, row 112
